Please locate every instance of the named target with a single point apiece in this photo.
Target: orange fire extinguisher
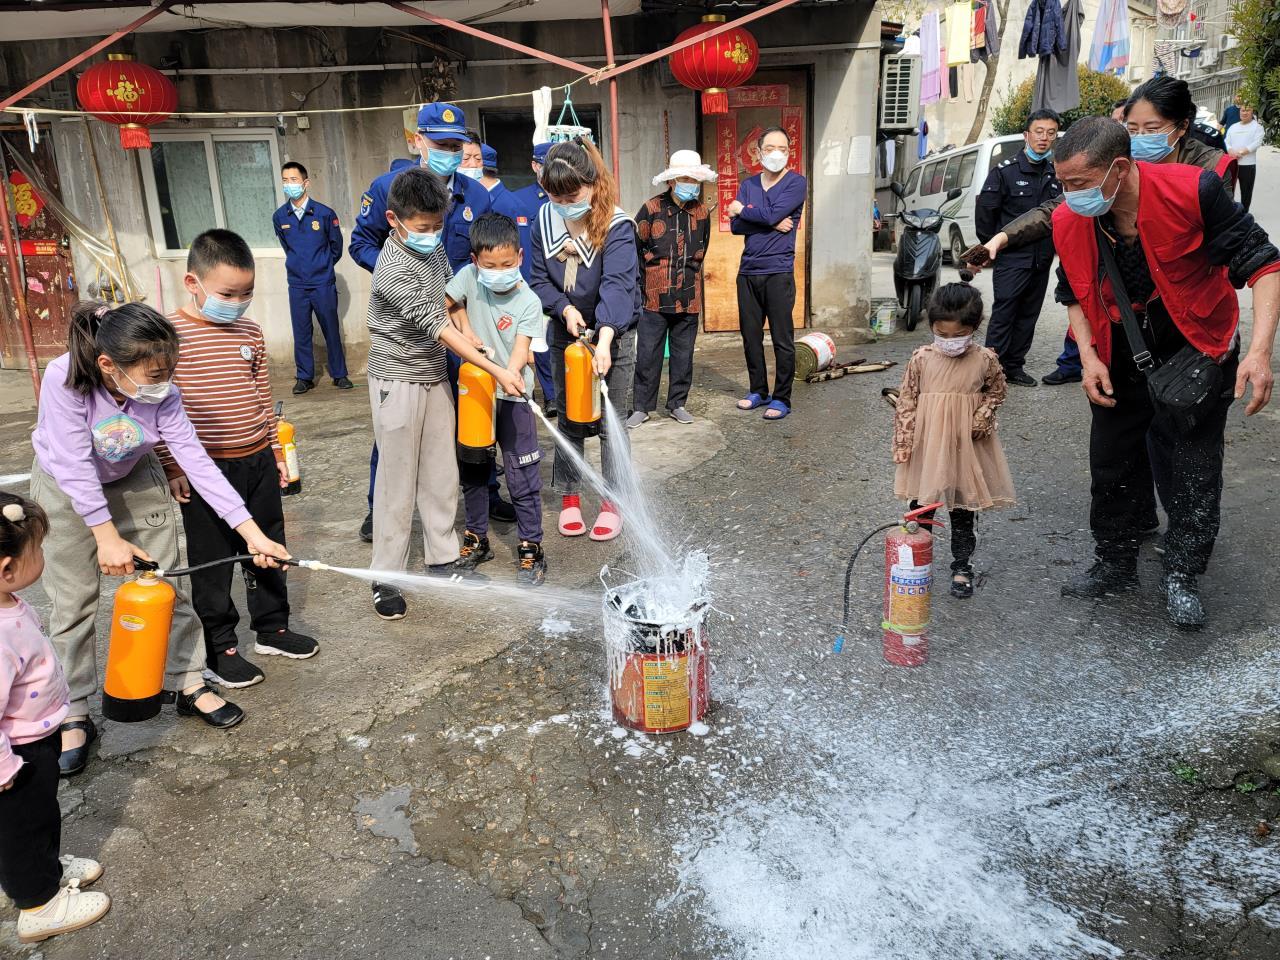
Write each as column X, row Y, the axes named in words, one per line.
column 908, row 583
column 138, row 649
column 582, row 407
column 477, row 410
column 289, row 447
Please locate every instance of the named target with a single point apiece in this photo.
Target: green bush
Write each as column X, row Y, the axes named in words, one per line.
column 1257, row 25
column 1098, row 91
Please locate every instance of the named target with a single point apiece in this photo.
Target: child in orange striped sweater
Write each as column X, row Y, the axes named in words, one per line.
column 226, row 391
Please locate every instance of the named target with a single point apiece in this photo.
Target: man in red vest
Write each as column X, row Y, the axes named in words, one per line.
column 1182, row 248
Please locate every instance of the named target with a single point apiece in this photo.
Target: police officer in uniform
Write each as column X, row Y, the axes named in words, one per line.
column 312, row 241
column 1021, row 278
column 442, row 131
column 528, row 201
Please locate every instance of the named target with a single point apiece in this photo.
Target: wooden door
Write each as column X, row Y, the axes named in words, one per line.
column 775, row 98
column 45, row 254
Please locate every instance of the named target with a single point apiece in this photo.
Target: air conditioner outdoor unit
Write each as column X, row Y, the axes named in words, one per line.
column 900, row 93
column 1208, row 58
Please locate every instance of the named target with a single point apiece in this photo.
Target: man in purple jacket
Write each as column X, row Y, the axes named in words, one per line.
column 767, row 212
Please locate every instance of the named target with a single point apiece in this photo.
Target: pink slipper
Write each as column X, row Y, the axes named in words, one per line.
column 608, row 525
column 571, row 524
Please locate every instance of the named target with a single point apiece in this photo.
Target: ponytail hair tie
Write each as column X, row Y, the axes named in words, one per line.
column 14, row 513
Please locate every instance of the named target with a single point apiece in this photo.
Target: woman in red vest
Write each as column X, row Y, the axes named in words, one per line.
column 1181, row 249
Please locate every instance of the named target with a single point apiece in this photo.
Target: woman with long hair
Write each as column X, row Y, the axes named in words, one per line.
column 586, row 272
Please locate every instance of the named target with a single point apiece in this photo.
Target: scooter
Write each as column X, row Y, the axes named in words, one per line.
column 919, row 256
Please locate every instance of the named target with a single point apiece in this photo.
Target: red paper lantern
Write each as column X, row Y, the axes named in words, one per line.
column 127, row 93
column 723, row 61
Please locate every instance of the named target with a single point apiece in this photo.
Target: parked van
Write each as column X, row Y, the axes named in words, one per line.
column 965, row 167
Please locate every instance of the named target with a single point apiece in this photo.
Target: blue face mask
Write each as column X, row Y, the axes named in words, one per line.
column 1091, row 202
column 1036, row 157
column 685, row 192
column 294, row 191
column 475, row 173
column 499, row 281
column 423, row 243
column 572, row 211
column 216, row 310
column 1150, row 147
column 443, row 162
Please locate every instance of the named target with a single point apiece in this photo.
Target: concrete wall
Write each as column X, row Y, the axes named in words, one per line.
column 344, row 152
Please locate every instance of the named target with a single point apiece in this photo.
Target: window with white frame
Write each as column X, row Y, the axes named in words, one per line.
column 199, row 179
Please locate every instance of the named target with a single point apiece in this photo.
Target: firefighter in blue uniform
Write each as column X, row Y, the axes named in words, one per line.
column 312, row 241
column 1021, row 276
column 528, row 201
column 442, row 132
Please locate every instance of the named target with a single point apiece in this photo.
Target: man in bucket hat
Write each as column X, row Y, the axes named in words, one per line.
column 672, row 230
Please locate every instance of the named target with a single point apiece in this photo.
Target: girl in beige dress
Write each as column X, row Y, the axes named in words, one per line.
column 944, row 432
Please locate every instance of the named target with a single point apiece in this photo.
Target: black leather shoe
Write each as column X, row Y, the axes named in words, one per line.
column 227, row 715
column 962, row 584
column 366, row 528
column 1103, row 578
column 1182, row 600
column 342, row 383
column 302, row 386
column 1021, row 378
column 73, row 761
column 1058, row 378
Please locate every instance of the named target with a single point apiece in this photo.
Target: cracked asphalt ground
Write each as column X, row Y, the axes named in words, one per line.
column 1061, row 781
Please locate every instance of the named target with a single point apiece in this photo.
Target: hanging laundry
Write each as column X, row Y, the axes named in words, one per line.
column 1057, row 80
column 911, row 46
column 923, row 140
column 1042, row 31
column 1110, row 48
column 931, row 54
column 1171, row 13
column 959, row 32
column 978, row 35
column 992, row 30
column 1164, row 55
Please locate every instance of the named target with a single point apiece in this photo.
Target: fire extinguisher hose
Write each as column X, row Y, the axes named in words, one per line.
column 848, row 580
column 148, row 565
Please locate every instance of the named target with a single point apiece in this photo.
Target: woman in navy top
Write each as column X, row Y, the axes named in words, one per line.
column 767, row 212
column 587, row 274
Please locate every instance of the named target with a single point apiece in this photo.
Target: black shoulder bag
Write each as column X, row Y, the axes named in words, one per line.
column 1184, row 386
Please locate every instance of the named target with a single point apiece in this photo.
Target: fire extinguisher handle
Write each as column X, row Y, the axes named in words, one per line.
column 140, row 564
column 917, row 513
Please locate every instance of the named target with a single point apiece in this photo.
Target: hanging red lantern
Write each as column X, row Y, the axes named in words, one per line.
column 726, row 60
column 127, row 93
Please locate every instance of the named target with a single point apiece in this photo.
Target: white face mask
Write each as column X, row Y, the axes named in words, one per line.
column 952, row 346
column 774, row 162
column 145, row 392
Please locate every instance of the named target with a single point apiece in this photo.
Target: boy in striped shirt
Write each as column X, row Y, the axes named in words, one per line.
column 414, row 421
column 226, row 391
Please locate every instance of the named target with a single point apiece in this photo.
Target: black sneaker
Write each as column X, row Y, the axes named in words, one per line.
column 475, row 551
column 366, row 528
column 532, row 569
column 388, row 603
column 286, row 643
column 962, row 583
column 501, row 510
column 1182, row 600
column 342, row 383
column 1057, row 378
column 302, row 386
column 229, row 669
column 1101, row 579
column 1021, row 378
column 450, row 571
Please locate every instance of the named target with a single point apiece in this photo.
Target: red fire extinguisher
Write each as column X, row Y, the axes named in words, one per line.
column 908, row 582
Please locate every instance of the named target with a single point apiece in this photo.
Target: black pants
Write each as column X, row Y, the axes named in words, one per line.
column 964, row 538
column 1128, row 444
column 257, row 480
column 773, row 297
column 1245, row 175
column 654, row 328
column 1019, row 295
column 31, row 826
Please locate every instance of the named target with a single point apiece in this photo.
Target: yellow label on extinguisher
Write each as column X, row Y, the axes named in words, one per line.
column 909, row 588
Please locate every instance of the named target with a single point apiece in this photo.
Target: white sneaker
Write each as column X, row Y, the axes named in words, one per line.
column 79, row 868
column 69, row 910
